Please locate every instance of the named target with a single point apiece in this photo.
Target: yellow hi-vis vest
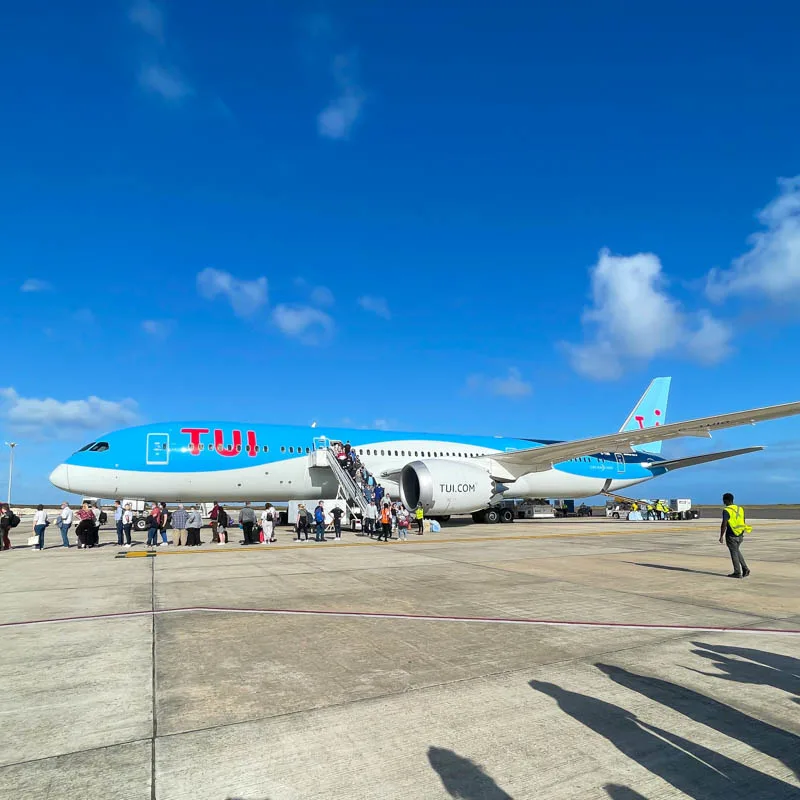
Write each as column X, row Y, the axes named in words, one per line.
column 419, row 513
column 736, row 522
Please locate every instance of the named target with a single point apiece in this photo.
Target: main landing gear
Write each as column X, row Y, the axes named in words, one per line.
column 492, row 515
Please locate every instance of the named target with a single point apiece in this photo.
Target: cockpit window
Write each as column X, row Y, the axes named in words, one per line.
column 86, row 447
column 100, row 447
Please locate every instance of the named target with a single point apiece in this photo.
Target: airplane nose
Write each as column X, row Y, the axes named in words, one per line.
column 59, row 477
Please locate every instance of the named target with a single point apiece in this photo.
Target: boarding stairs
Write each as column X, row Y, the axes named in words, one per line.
column 349, row 490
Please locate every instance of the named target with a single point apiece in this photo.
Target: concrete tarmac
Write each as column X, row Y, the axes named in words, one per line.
column 570, row 659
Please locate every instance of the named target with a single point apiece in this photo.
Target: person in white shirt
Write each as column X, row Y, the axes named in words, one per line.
column 269, row 516
column 40, row 522
column 65, row 523
column 127, row 524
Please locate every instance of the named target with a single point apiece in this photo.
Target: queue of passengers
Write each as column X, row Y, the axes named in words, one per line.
column 385, row 521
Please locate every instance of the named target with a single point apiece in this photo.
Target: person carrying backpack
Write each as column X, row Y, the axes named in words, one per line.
column 269, row 519
column 319, row 520
column 8, row 520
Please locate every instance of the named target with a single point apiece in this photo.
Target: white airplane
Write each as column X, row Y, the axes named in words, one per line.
column 204, row 461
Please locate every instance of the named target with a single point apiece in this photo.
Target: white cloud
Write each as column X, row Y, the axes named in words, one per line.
column 336, row 120
column 57, row 416
column 156, row 328
column 772, row 265
column 149, row 17
column 510, row 386
column 634, row 319
column 322, row 296
column 245, row 297
column 164, row 81
column 36, row 285
column 377, row 305
column 308, row 325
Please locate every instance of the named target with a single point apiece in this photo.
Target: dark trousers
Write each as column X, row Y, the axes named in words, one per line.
column 368, row 524
column 337, row 527
column 85, row 532
column 385, row 531
column 247, row 530
column 420, row 527
column 152, row 537
column 302, row 529
column 119, row 532
column 319, row 532
column 126, row 530
column 193, row 537
column 734, row 543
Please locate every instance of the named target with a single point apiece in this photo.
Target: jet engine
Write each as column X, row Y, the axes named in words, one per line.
column 444, row 487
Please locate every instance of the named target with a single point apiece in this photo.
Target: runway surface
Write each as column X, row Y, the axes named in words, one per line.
column 567, row 659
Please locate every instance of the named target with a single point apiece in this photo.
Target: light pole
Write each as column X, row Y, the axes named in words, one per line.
column 11, row 446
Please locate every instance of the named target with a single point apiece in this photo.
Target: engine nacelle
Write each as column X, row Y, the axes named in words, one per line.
column 445, row 487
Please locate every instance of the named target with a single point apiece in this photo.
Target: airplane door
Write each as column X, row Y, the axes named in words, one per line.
column 157, row 448
column 620, row 462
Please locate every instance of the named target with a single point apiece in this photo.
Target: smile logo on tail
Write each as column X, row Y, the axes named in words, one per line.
column 640, row 419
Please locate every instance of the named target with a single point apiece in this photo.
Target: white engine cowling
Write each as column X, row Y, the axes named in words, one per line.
column 446, row 487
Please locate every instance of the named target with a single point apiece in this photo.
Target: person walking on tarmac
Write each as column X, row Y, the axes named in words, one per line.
column 733, row 530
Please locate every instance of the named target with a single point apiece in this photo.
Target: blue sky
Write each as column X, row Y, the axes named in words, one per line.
column 500, row 218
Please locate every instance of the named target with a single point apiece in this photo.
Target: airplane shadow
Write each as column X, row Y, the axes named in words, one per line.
column 675, row 569
column 463, row 778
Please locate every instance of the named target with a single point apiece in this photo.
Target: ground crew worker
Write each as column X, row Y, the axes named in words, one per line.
column 419, row 515
column 733, row 530
column 651, row 512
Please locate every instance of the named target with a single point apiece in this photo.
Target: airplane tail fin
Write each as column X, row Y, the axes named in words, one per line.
column 650, row 412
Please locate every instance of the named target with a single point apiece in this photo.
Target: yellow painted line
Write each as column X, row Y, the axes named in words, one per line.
column 416, row 540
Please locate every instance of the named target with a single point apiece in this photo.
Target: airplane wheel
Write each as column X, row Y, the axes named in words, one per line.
column 491, row 515
column 478, row 517
column 615, row 515
column 140, row 524
column 507, row 515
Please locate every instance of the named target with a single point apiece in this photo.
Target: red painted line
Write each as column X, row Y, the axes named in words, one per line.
column 409, row 617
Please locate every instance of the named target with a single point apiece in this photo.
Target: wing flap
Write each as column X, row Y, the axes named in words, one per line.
column 537, row 459
column 690, row 461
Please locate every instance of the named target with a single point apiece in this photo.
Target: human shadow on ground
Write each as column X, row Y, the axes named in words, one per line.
column 463, row 778
column 775, row 742
column 693, row 769
column 675, row 569
column 760, row 667
column 618, row 792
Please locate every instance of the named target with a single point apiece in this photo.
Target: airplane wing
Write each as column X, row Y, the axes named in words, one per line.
column 539, row 459
column 680, row 463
